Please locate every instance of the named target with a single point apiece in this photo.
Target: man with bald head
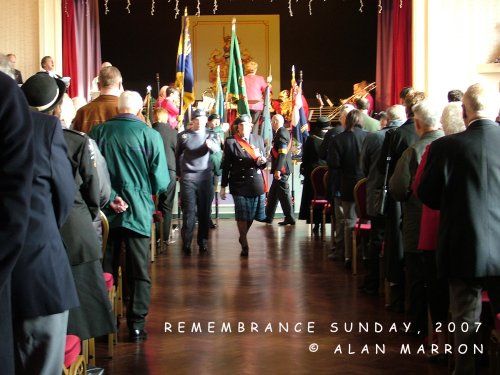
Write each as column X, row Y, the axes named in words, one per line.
column 281, row 167
column 138, row 169
column 462, row 180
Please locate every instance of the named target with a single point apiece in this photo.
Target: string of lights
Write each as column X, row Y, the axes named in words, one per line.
column 216, row 6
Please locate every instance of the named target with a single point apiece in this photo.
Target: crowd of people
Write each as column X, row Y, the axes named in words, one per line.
column 436, row 228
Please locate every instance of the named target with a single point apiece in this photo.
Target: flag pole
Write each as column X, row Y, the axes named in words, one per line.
column 181, row 101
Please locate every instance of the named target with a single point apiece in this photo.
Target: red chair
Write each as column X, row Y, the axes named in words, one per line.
column 74, row 362
column 319, row 200
column 363, row 225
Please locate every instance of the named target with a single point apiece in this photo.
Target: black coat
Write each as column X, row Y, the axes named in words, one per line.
column 239, row 169
column 50, row 288
column 281, row 157
column 345, row 154
column 16, row 176
column 93, row 318
column 169, row 137
column 370, row 155
column 310, row 160
column 462, row 179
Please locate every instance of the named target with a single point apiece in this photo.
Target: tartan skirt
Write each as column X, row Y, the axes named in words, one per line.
column 249, row 208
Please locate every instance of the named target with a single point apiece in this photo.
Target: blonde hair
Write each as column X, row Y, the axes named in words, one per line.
column 452, row 118
column 251, row 67
column 161, row 115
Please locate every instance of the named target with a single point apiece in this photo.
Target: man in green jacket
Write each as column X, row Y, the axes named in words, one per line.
column 138, row 169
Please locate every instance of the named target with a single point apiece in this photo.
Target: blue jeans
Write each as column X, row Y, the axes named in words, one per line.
column 196, row 201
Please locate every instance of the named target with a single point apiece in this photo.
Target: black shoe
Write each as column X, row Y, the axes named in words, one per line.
column 186, row 250
column 439, row 359
column 267, row 220
column 136, row 335
column 212, row 225
column 203, row 249
column 286, row 222
column 244, row 251
column 348, row 264
column 369, row 291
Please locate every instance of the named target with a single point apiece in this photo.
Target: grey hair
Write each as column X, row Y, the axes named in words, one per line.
column 452, row 118
column 481, row 100
column 130, row 102
column 5, row 66
column 396, row 112
column 427, row 113
column 279, row 118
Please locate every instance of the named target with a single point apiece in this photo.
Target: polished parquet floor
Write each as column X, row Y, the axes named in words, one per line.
column 286, row 283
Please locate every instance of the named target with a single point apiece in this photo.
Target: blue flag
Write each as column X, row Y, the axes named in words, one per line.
column 299, row 121
column 184, row 78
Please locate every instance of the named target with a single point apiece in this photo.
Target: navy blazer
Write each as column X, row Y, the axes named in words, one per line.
column 240, row 170
column 16, row 175
column 462, row 179
column 42, row 282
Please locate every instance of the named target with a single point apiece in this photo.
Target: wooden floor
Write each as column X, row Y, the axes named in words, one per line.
column 287, row 280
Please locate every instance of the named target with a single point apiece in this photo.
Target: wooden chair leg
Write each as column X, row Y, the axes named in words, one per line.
column 88, row 351
column 119, row 294
column 311, row 216
column 354, row 252
column 153, row 242
column 162, row 236
column 323, row 221
column 111, row 336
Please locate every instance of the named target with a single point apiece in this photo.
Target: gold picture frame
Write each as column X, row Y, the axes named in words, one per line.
column 259, row 37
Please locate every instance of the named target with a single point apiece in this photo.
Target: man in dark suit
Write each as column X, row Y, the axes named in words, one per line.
column 281, row 166
column 16, row 175
column 462, row 179
column 395, row 143
column 17, row 74
column 42, row 282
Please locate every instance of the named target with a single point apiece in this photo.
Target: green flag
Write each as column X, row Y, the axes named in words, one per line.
column 235, row 82
column 219, row 98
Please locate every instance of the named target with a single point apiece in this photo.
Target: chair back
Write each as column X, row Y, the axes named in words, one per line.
column 360, row 198
column 317, row 182
column 105, row 231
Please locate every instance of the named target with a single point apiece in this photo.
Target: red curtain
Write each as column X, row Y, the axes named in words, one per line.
column 70, row 62
column 394, row 52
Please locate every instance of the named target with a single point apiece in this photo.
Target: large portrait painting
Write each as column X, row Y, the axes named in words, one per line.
column 258, row 38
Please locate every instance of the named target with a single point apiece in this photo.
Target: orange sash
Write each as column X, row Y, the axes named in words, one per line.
column 251, row 151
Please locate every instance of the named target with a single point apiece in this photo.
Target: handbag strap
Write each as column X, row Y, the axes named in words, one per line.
column 387, row 163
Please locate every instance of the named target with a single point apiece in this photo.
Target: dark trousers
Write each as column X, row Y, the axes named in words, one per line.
column 372, row 277
column 196, row 198
column 438, row 296
column 465, row 307
column 166, row 203
column 280, row 191
column 40, row 343
column 417, row 300
column 138, row 282
column 256, row 115
column 7, row 341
